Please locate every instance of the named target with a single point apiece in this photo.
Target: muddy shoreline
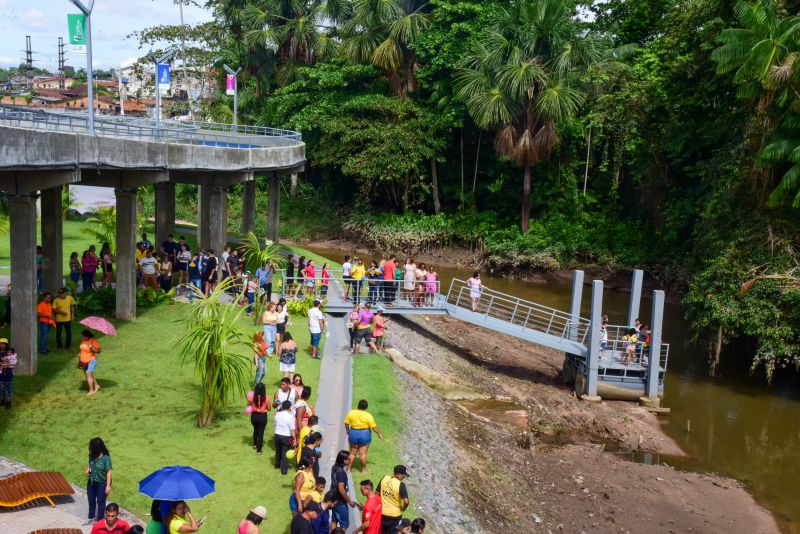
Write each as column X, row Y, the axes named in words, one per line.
column 533, row 458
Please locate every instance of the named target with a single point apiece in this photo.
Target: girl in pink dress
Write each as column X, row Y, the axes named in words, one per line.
column 430, row 285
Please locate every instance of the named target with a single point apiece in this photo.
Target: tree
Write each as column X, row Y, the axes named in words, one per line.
column 521, row 80
column 212, row 337
column 103, row 226
column 383, row 33
column 763, row 55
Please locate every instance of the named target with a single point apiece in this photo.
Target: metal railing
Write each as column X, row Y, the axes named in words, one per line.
column 194, row 133
column 519, row 312
column 339, row 290
column 614, row 364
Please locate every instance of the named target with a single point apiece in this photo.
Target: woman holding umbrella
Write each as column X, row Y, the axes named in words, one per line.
column 87, row 359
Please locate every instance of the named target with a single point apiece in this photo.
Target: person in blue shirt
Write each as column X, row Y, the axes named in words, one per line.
column 322, row 524
column 264, row 275
column 195, row 276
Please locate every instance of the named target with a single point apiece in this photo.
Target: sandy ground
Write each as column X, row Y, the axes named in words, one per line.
column 536, row 461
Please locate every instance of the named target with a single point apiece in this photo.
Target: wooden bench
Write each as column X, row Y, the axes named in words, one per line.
column 31, row 485
column 57, row 531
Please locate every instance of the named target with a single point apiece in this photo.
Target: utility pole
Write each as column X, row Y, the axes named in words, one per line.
column 29, row 61
column 61, row 82
column 87, row 10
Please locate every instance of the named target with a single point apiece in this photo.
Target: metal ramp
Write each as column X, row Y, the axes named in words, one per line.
column 517, row 317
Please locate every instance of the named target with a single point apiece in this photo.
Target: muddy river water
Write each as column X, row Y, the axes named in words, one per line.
column 736, row 425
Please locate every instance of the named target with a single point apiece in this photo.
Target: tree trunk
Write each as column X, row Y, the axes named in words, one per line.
column 526, row 198
column 462, row 169
column 586, row 170
column 477, row 158
column 714, row 363
column 435, row 188
column 407, row 192
column 293, row 186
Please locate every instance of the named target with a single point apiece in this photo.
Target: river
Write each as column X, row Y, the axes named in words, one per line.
column 737, row 427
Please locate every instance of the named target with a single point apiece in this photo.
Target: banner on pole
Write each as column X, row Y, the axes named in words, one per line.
column 163, row 77
column 230, row 84
column 77, row 32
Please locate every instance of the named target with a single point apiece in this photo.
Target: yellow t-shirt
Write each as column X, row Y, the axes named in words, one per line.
column 357, row 272
column 176, row 523
column 359, row 420
column 391, row 500
column 309, row 485
column 316, row 496
column 139, row 254
column 62, row 308
column 305, row 431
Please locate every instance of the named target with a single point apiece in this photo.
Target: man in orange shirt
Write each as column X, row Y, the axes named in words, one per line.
column 44, row 312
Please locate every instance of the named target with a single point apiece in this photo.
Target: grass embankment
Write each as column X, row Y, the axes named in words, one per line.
column 146, row 413
column 374, row 380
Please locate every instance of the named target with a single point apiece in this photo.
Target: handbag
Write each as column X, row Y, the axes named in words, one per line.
column 82, row 366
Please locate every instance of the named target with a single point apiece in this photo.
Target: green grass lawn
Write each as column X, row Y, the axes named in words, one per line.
column 146, row 413
column 374, row 380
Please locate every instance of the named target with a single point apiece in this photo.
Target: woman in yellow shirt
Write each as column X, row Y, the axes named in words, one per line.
column 357, row 272
column 180, row 519
column 304, row 485
column 359, row 425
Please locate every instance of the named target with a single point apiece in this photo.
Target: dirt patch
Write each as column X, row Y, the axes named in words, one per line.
column 551, row 475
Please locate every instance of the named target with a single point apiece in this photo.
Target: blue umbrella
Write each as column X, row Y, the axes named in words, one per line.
column 176, row 483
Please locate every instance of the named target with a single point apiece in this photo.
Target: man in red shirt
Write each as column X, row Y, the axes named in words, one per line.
column 389, row 287
column 111, row 524
column 371, row 512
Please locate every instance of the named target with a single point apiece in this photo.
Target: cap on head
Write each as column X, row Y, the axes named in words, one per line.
column 379, row 309
column 401, row 470
column 3, row 340
column 404, row 523
column 260, row 511
column 317, row 303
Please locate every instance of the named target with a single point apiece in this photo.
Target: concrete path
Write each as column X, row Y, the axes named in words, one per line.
column 334, row 400
column 70, row 511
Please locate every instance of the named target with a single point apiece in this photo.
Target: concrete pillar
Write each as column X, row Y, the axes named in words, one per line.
column 22, row 216
column 593, row 355
column 126, row 255
column 218, row 218
column 575, row 304
column 165, row 211
column 274, row 215
column 248, row 206
column 655, row 344
column 203, row 216
column 636, row 296
column 52, row 238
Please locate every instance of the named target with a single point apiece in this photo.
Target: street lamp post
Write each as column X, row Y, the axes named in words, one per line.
column 157, row 61
column 235, row 74
column 87, row 10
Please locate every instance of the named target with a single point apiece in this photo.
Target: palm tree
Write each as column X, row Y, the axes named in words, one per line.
column 383, row 33
column 103, row 226
column 254, row 257
column 210, row 343
column 763, row 55
column 521, row 79
column 299, row 32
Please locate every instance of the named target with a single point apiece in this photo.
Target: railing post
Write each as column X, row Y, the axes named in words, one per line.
column 489, row 308
column 654, row 359
column 514, row 313
column 527, row 318
column 593, row 349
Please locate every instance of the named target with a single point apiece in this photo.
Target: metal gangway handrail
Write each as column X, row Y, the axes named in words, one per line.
column 143, row 129
column 613, row 361
column 517, row 311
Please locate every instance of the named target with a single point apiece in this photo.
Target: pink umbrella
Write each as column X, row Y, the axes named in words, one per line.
column 100, row 324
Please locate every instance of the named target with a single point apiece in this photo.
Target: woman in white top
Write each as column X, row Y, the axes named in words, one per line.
column 409, row 277
column 182, row 261
column 285, row 434
column 475, row 287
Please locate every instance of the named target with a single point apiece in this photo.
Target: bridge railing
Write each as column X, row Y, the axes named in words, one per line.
column 195, row 133
column 517, row 311
column 339, row 290
column 614, row 362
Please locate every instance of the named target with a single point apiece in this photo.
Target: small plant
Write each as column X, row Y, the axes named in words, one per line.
column 300, row 308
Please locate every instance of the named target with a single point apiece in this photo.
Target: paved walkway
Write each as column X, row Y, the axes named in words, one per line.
column 336, row 387
column 70, row 511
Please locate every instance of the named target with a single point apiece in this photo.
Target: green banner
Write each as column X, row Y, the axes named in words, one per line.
column 77, row 32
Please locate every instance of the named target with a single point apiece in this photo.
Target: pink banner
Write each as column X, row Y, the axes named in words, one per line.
column 230, row 84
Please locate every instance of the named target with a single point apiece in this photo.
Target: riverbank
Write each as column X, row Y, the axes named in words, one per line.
column 540, row 454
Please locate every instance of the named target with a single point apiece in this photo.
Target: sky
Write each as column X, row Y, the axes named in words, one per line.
column 112, row 20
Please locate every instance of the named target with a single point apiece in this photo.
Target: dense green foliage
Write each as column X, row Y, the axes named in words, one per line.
column 657, row 133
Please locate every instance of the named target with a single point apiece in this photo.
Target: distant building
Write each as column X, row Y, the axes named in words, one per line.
column 51, row 82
